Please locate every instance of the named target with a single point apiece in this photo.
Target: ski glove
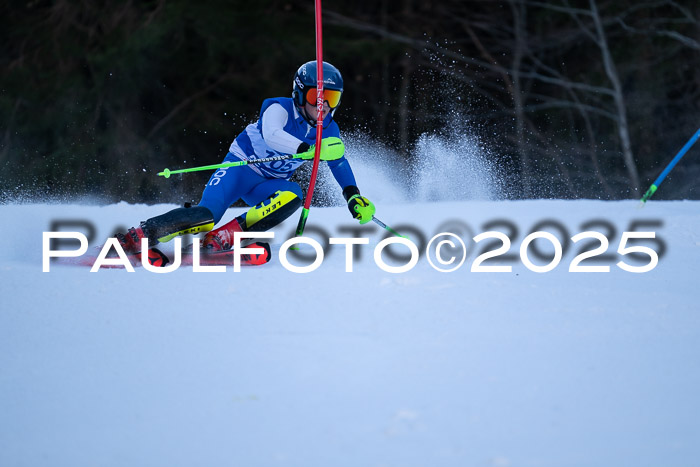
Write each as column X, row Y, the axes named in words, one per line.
column 361, row 208
column 332, row 148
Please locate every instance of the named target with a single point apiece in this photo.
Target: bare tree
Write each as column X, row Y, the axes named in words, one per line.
column 610, row 69
column 596, row 33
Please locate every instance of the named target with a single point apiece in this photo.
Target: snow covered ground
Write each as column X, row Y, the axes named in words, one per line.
column 368, row 368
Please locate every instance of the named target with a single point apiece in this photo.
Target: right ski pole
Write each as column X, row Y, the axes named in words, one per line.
column 384, row 226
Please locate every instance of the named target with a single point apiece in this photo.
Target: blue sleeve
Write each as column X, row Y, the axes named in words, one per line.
column 331, row 130
column 340, row 168
column 342, row 172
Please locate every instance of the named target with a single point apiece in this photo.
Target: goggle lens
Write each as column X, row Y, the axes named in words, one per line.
column 329, row 95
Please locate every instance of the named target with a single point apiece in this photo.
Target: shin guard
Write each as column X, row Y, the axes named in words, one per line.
column 270, row 212
column 180, row 221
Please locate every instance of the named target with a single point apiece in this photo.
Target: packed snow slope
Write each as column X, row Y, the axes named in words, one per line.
column 269, row 367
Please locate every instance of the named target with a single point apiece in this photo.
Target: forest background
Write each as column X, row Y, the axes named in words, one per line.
column 569, row 99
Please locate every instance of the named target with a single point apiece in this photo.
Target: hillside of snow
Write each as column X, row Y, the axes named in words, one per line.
column 269, row 367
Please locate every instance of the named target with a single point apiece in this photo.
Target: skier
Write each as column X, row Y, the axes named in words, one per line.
column 286, row 126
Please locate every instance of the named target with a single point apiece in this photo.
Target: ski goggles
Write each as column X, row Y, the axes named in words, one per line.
column 329, row 95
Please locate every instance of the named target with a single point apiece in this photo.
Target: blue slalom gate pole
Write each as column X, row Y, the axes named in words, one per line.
column 654, row 186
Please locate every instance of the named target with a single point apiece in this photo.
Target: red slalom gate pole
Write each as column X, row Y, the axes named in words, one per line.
column 319, row 122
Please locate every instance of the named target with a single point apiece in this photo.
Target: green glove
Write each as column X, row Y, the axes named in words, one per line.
column 332, row 148
column 361, row 208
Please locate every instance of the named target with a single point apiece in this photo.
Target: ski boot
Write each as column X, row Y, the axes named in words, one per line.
column 131, row 244
column 131, row 241
column 221, row 238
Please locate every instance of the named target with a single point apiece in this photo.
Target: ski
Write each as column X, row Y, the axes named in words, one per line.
column 225, row 257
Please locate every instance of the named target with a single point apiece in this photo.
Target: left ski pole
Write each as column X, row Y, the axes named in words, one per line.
column 167, row 172
column 654, row 186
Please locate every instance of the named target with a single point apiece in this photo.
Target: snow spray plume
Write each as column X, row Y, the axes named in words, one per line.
column 440, row 168
column 452, row 162
column 453, row 168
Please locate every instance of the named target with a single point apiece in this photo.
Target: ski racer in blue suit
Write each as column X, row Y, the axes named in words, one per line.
column 286, row 126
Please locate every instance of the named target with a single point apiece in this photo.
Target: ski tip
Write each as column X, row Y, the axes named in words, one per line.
column 257, row 259
column 157, row 258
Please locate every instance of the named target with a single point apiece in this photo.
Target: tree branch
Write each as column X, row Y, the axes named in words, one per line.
column 420, row 45
column 184, row 103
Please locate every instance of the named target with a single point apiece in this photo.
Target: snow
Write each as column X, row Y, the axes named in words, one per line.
column 268, row 367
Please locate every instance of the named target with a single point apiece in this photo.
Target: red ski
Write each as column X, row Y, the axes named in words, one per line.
column 158, row 259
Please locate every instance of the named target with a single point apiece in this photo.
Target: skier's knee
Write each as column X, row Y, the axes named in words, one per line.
column 272, row 211
column 296, row 189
